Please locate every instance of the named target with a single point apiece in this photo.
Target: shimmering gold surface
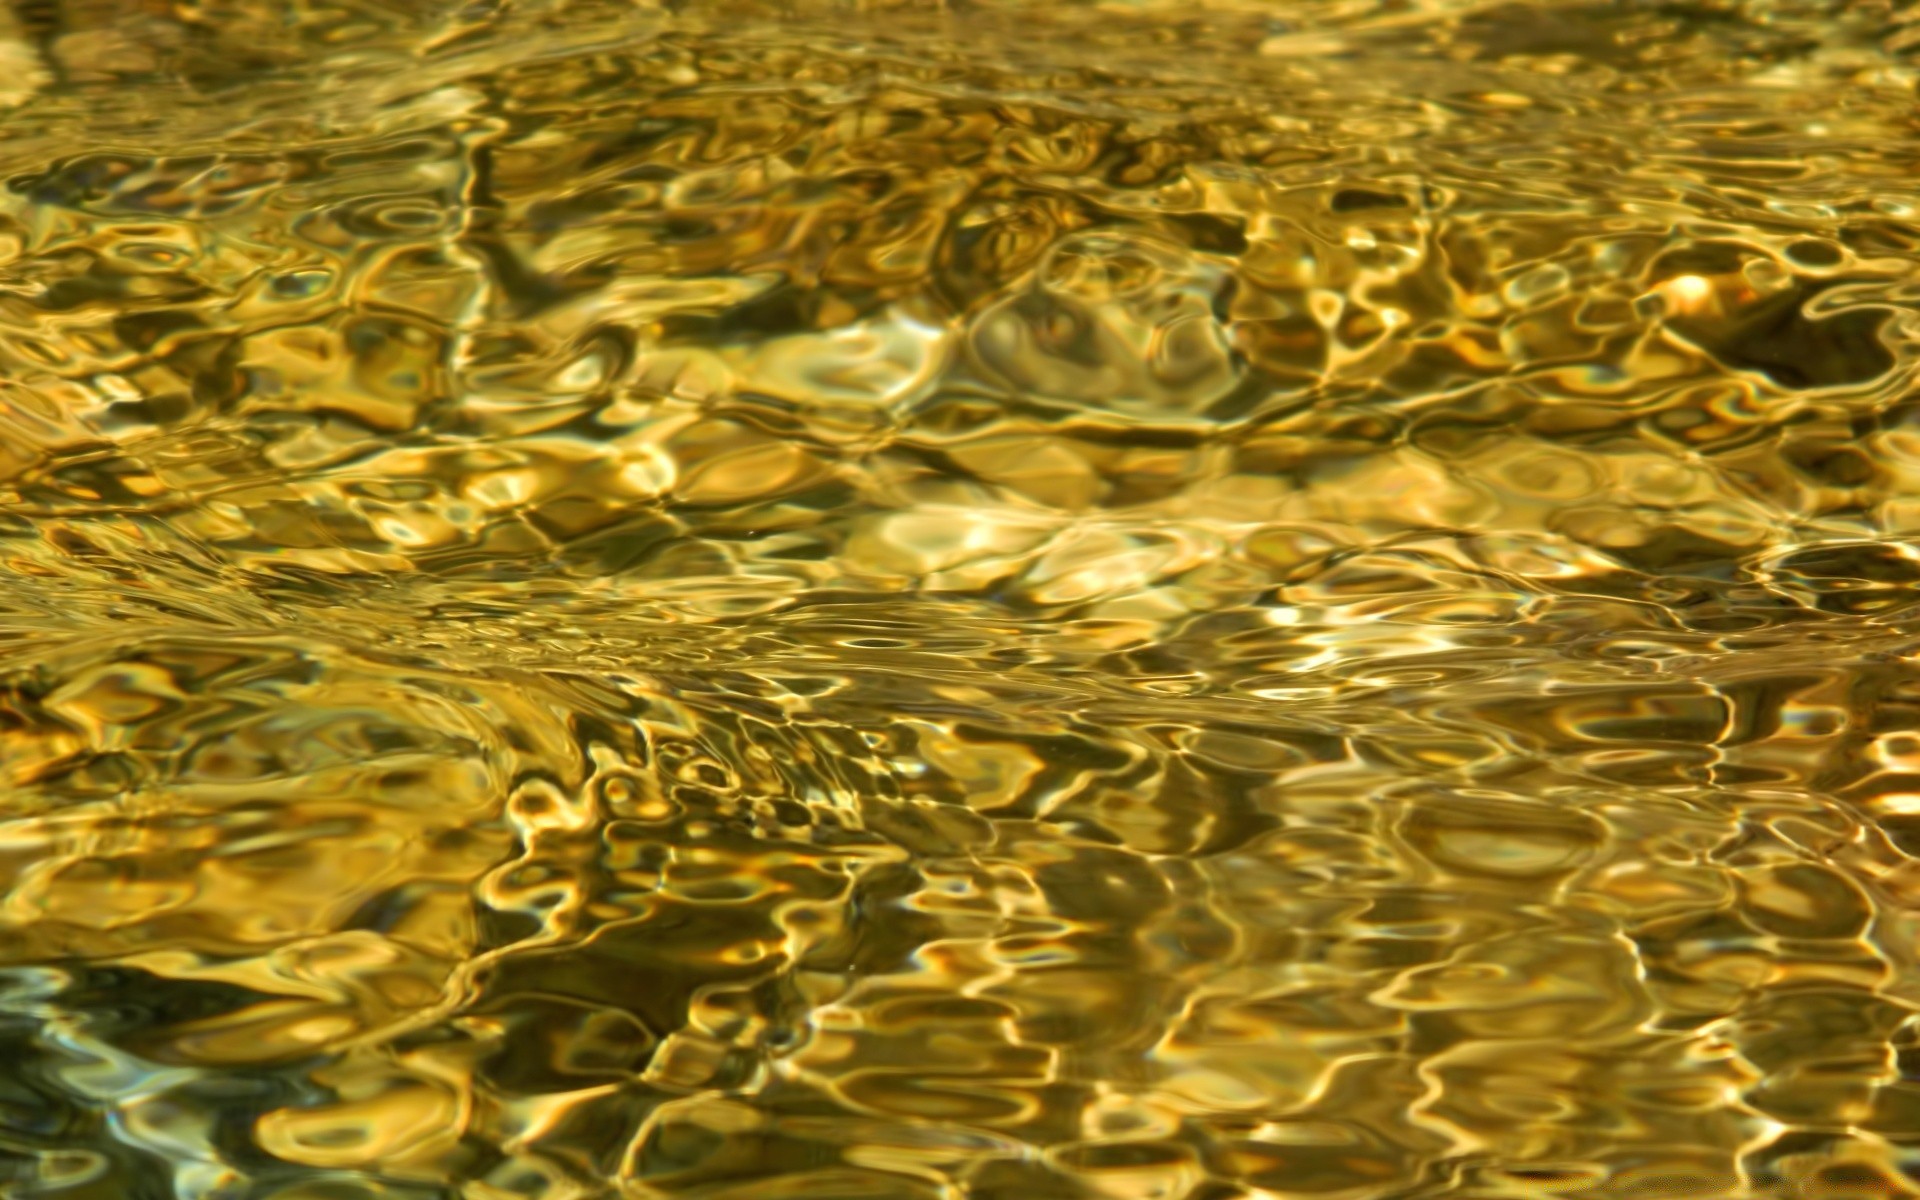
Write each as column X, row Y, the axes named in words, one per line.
column 1000, row 599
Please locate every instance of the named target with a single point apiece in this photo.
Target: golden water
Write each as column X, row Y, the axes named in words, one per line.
column 1003, row 599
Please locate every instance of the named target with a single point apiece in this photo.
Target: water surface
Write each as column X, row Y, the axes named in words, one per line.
column 996, row 599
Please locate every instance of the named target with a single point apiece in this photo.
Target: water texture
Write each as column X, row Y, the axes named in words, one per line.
column 987, row 600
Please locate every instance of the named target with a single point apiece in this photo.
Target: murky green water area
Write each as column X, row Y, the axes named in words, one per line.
column 986, row 600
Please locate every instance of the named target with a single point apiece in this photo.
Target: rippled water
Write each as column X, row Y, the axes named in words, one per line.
column 999, row 599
